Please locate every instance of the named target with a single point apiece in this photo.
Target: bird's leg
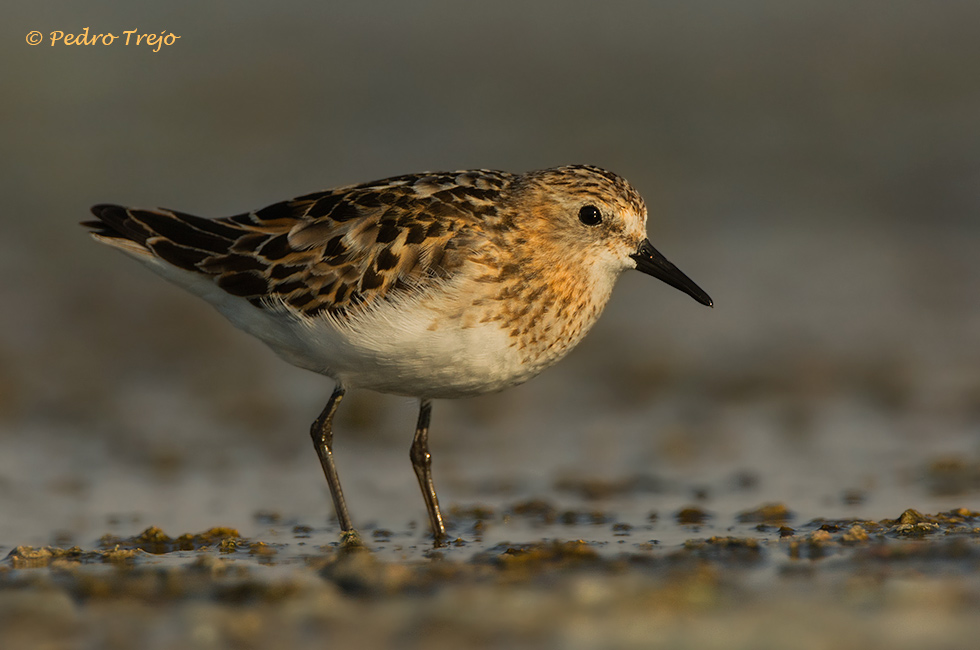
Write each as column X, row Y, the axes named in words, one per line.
column 322, row 434
column 422, row 462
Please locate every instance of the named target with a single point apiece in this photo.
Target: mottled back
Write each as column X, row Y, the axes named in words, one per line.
column 328, row 251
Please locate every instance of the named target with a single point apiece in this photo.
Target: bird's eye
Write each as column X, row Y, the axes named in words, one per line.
column 590, row 215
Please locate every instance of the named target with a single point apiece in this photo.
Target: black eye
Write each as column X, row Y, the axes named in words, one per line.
column 590, row 215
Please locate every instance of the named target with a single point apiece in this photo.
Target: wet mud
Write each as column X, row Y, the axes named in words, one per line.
column 747, row 585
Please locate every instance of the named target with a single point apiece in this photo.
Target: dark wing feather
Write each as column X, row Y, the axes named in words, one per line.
column 328, row 251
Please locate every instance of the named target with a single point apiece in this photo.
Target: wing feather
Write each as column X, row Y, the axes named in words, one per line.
column 327, row 251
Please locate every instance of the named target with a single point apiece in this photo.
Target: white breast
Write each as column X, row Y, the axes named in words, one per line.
column 428, row 344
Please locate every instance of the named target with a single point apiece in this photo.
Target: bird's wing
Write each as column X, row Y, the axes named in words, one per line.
column 324, row 252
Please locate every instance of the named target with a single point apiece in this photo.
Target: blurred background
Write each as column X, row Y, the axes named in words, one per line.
column 814, row 166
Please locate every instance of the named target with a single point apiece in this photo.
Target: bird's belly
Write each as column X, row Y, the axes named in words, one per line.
column 447, row 362
column 401, row 349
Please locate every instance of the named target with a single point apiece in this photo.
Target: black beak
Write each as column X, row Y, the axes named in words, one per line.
column 651, row 262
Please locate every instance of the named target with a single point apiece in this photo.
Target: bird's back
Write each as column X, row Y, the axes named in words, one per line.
column 324, row 252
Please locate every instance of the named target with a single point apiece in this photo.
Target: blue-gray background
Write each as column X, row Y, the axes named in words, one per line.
column 815, row 166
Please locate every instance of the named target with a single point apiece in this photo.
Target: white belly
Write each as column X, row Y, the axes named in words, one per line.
column 427, row 346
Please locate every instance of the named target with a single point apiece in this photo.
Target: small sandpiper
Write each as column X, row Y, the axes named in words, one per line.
column 431, row 285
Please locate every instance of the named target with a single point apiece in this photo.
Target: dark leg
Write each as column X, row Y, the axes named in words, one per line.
column 422, row 462
column 322, row 434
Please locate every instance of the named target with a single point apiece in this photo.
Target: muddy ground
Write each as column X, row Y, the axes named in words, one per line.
column 763, row 581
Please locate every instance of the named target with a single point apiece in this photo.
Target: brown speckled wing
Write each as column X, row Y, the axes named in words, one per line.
column 328, row 251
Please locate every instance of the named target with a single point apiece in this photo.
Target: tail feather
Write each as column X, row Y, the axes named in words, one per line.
column 167, row 240
column 115, row 223
column 184, row 257
column 184, row 229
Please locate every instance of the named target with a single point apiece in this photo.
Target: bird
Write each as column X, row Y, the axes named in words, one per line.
column 434, row 285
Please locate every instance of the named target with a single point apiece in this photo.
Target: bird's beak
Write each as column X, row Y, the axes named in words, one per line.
column 651, row 262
